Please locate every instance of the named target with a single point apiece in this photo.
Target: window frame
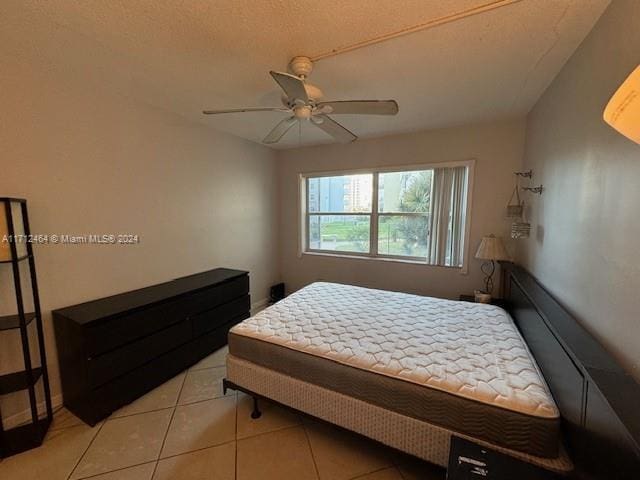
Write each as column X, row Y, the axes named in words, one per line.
column 374, row 215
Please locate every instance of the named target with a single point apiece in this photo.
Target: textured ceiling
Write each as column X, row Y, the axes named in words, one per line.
column 188, row 55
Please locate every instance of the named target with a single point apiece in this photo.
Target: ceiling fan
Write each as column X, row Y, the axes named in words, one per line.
column 302, row 100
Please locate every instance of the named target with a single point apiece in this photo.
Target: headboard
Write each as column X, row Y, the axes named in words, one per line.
column 598, row 401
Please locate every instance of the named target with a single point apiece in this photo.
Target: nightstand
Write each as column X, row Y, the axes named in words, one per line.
column 499, row 302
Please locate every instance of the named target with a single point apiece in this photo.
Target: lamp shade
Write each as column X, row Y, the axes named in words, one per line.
column 623, row 110
column 492, row 248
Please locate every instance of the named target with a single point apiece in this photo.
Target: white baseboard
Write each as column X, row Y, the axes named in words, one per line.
column 56, row 401
column 24, row 416
column 259, row 305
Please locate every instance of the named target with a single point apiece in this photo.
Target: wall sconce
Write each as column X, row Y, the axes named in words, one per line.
column 527, row 174
column 623, row 110
column 519, row 227
column 537, row 190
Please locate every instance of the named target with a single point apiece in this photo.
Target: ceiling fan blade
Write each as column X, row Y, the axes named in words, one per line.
column 238, row 110
column 280, row 129
column 293, row 86
column 333, row 128
column 360, row 107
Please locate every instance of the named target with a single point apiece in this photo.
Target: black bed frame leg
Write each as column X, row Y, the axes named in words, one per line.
column 226, row 384
column 256, row 410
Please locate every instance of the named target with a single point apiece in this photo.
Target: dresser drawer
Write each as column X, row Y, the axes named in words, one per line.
column 217, row 317
column 212, row 297
column 121, row 330
column 110, row 365
column 114, row 349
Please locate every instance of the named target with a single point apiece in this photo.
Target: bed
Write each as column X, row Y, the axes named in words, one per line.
column 406, row 370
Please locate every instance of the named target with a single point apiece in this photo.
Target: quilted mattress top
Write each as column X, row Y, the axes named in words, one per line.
column 471, row 350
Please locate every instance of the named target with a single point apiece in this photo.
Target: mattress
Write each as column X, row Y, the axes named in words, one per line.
column 459, row 365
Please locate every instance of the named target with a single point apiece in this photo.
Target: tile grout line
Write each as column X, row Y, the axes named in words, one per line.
column 178, row 404
column 200, row 448
column 204, row 368
column 270, row 431
column 166, row 433
column 116, row 470
column 186, row 372
column 313, row 457
column 155, row 410
column 167, row 408
column 86, row 450
column 57, row 429
column 110, row 418
column 189, row 452
column 127, row 415
column 96, row 435
column 391, row 467
column 201, row 401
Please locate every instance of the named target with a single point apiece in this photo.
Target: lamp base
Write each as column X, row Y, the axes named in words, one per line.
column 482, row 297
column 488, row 268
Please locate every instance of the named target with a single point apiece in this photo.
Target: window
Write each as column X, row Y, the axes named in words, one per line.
column 339, row 213
column 417, row 214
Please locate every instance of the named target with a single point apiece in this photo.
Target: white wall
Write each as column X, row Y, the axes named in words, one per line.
column 90, row 160
column 586, row 237
column 497, row 148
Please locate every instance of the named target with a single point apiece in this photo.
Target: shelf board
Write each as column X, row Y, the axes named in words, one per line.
column 18, row 259
column 17, row 381
column 9, row 322
column 23, row 437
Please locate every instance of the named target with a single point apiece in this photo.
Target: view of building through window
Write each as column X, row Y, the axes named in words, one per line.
column 334, row 201
column 340, row 211
column 389, row 214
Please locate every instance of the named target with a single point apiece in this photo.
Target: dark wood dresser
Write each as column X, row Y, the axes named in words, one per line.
column 113, row 350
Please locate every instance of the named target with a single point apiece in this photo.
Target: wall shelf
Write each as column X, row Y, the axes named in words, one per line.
column 11, row 322
column 14, row 223
column 24, row 437
column 18, row 259
column 17, row 381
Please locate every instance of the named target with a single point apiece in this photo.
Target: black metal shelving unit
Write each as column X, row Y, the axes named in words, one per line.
column 29, row 435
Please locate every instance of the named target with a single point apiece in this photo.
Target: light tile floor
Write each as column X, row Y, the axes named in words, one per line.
column 187, row 430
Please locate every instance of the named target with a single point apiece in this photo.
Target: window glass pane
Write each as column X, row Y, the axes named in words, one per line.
column 343, row 194
column 405, row 191
column 403, row 235
column 344, row 233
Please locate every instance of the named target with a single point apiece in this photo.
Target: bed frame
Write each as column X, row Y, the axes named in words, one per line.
column 599, row 402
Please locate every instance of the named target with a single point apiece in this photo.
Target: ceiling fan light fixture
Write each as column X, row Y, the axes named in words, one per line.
column 302, row 101
column 302, row 112
column 314, row 95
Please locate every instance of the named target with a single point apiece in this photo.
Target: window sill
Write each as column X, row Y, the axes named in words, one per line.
column 380, row 259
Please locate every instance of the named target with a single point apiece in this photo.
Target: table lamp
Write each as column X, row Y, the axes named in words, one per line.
column 491, row 249
column 623, row 110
